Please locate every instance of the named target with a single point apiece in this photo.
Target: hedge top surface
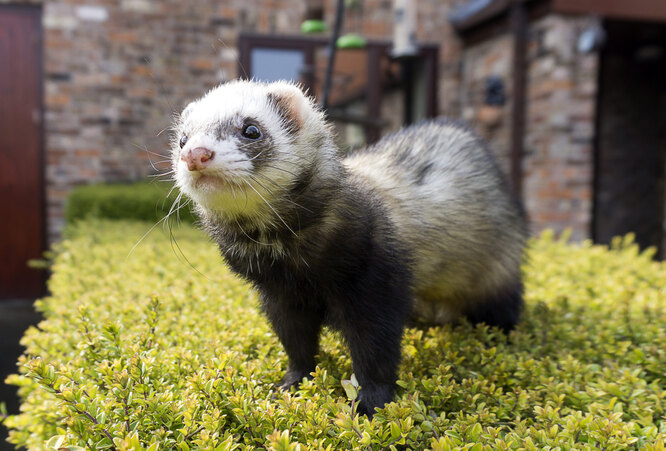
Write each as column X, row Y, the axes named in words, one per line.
column 145, row 352
column 142, row 201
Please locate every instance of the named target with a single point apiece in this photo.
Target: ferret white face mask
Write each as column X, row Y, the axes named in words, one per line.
column 242, row 142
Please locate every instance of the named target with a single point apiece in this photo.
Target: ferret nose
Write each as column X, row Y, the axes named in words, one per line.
column 197, row 158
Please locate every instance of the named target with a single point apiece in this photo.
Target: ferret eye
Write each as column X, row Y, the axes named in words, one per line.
column 252, row 132
column 183, row 141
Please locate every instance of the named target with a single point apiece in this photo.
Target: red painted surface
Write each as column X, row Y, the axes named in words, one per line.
column 21, row 167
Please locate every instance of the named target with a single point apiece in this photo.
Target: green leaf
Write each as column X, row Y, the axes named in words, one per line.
column 350, row 389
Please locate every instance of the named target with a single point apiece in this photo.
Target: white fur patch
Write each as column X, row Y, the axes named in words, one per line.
column 245, row 189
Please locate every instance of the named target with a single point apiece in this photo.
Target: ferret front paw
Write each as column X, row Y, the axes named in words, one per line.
column 373, row 397
column 293, row 378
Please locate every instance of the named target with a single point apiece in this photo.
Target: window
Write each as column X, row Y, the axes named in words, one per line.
column 270, row 64
column 371, row 93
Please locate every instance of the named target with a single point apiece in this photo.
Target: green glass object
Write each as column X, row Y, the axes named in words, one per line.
column 351, row 41
column 313, row 26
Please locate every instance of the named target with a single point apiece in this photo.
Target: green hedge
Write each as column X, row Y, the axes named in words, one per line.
column 143, row 201
column 152, row 352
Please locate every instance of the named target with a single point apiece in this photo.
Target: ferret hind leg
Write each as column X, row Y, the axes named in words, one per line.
column 501, row 308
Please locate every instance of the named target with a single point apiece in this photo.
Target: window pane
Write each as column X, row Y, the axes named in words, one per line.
column 276, row 64
column 348, row 104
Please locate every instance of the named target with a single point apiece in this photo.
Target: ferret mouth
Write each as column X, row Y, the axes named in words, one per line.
column 209, row 182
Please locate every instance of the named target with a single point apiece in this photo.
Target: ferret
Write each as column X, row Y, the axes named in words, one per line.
column 421, row 224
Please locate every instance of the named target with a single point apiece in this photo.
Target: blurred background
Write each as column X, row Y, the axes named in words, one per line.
column 570, row 94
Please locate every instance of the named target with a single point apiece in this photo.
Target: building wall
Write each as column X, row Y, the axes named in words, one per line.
column 492, row 58
column 116, row 70
column 560, row 123
column 559, row 143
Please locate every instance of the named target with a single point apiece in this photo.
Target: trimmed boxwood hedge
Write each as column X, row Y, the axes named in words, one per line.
column 143, row 201
column 152, row 352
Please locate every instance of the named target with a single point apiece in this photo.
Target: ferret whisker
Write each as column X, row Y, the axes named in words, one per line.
column 283, row 189
column 166, row 158
column 256, row 156
column 150, row 152
column 271, row 207
column 265, row 178
column 163, row 130
column 163, row 221
column 233, row 193
column 172, row 240
column 174, row 207
column 145, row 235
column 281, row 169
column 180, row 207
column 150, row 160
column 283, row 159
column 249, row 237
column 172, row 237
column 155, row 168
column 161, row 175
column 244, row 191
column 170, row 191
column 247, row 200
column 177, row 212
column 173, row 187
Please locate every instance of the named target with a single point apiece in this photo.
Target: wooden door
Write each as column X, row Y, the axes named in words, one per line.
column 21, row 161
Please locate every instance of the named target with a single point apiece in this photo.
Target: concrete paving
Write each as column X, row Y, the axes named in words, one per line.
column 16, row 316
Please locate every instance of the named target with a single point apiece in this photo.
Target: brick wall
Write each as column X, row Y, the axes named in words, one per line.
column 561, row 97
column 559, row 141
column 115, row 70
column 492, row 58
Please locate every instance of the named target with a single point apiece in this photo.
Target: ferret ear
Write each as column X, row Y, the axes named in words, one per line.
column 290, row 103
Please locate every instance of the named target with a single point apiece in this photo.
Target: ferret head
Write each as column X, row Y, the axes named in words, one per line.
column 244, row 143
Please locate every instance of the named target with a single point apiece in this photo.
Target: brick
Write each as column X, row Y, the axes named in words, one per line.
column 92, row 13
column 57, row 100
column 125, row 37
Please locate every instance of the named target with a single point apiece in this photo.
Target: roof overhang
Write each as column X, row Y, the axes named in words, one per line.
column 648, row 10
column 477, row 14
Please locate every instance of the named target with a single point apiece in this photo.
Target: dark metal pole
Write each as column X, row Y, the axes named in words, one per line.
column 519, row 25
column 373, row 92
column 331, row 53
column 407, row 72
